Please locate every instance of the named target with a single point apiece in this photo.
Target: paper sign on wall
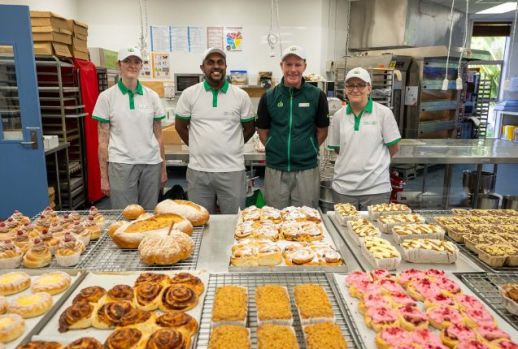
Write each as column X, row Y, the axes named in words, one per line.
column 233, row 38
column 160, row 38
column 161, row 68
column 215, row 37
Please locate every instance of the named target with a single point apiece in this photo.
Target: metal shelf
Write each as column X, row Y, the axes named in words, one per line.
column 289, row 280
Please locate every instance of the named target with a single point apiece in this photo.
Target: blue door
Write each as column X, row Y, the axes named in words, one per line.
column 23, row 177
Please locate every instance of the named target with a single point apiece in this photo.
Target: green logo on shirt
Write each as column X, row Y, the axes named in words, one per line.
column 280, row 104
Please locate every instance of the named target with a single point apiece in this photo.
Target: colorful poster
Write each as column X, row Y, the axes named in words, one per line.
column 146, row 73
column 233, row 38
column 161, row 68
column 215, row 37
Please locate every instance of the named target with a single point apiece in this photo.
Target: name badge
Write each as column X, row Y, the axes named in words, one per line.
column 303, row 105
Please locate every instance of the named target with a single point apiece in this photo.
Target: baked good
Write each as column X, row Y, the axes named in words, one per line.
column 3, row 304
column 358, row 282
column 397, row 337
column 270, row 336
column 114, row 226
column 312, row 303
column 495, row 255
column 147, row 295
column 386, row 223
column 78, row 315
column 38, row 256
column 361, row 228
column 120, row 293
column 491, row 332
column 477, row 317
column 132, row 211
column 180, row 321
column 165, row 250
column 325, row 254
column 251, row 213
column 417, row 231
column 380, row 253
column 113, row 314
column 196, row 214
column 50, row 241
column 301, row 231
column 303, row 213
column 40, row 345
column 52, row 282
column 90, row 294
column 80, row 233
column 411, row 318
column 31, row 305
column 69, row 251
column 85, row 343
column 345, row 212
column 152, row 277
column 189, row 280
column 14, row 282
column 230, row 306
column 273, row 305
column 456, row 332
column 12, row 326
column 177, row 298
column 267, row 230
column 429, row 251
column 465, row 302
column 229, row 337
column 378, row 210
column 250, row 252
column 22, row 240
column 324, row 335
column 168, row 338
column 92, row 228
column 380, row 317
column 131, row 234
column 442, row 316
column 124, row 338
column 509, row 293
column 504, row 344
column 95, row 215
column 10, row 255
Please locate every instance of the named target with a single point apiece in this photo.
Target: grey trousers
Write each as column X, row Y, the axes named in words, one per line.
column 228, row 188
column 134, row 184
column 361, row 201
column 298, row 188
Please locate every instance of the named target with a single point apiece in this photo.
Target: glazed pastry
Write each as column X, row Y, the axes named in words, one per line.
column 412, row 318
column 78, row 315
column 276, row 336
column 31, row 305
column 472, row 344
column 221, row 336
column 136, row 316
column 325, row 254
column 178, row 298
column 324, row 335
column 90, row 294
column 52, row 282
column 442, row 316
column 198, row 215
column 504, row 344
column 38, row 256
column 85, row 343
column 303, row 213
column 491, row 332
column 257, row 230
column 165, row 250
column 466, row 302
column 168, row 338
column 111, row 314
column 441, row 299
column 456, row 332
column 40, row 345
column 147, row 295
column 179, row 320
column 153, row 277
column 478, row 317
column 301, row 231
column 12, row 326
column 120, row 293
column 10, row 255
column 189, row 280
column 14, row 282
column 380, row 317
column 124, row 338
column 132, row 211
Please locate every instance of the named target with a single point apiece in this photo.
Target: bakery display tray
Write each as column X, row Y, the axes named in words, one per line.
column 485, row 286
column 108, row 257
column 34, row 325
column 463, row 263
column 288, row 280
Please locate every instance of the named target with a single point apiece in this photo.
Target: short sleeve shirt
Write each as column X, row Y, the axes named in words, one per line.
column 131, row 116
column 215, row 131
column 362, row 166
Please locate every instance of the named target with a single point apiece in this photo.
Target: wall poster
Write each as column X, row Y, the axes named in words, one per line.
column 161, row 68
column 233, row 38
column 215, row 37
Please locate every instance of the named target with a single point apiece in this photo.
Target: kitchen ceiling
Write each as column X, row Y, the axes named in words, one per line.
column 474, row 5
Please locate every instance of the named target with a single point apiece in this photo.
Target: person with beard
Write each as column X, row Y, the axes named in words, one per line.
column 292, row 124
column 365, row 135
column 215, row 119
column 131, row 151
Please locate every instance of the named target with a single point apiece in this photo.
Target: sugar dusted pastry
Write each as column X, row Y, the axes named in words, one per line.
column 312, row 303
column 14, row 282
column 165, row 250
column 360, row 229
column 230, row 306
column 38, row 256
column 273, row 305
column 52, row 282
column 383, row 209
column 229, row 337
column 50, row 241
column 303, row 213
column 80, row 233
column 249, row 252
column 387, row 222
column 31, row 305
column 429, row 251
column 251, row 213
column 10, row 255
column 345, row 212
column 276, row 336
column 324, row 335
column 301, row 231
column 257, row 230
column 417, row 231
column 69, row 251
column 12, row 326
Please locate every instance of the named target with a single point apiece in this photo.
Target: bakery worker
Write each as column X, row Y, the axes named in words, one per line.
column 292, row 124
column 215, row 119
column 131, row 152
column 365, row 135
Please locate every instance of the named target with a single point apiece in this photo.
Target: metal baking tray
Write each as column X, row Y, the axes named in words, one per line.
column 108, row 257
column 289, row 280
column 485, row 286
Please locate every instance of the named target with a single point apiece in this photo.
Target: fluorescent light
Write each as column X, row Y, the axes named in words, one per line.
column 502, row 8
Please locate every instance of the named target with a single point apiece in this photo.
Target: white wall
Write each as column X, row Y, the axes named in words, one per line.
column 65, row 8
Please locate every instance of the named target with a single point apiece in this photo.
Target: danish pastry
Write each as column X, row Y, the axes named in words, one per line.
column 38, row 256
column 78, row 315
column 120, row 293
column 40, row 345
column 10, row 255
column 124, row 338
column 168, row 338
column 165, row 250
column 147, row 295
column 85, row 343
column 132, row 211
column 189, row 280
column 196, row 214
column 31, row 305
column 4, row 304
column 178, row 298
column 12, row 326
column 111, row 314
column 152, row 277
column 179, row 320
column 90, row 294
column 53, row 282
column 14, row 282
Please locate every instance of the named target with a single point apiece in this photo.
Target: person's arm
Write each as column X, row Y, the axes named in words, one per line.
column 322, row 118
column 321, row 135
column 263, row 120
column 103, row 130
column 157, row 131
column 263, row 135
column 248, row 130
column 182, row 127
column 393, row 149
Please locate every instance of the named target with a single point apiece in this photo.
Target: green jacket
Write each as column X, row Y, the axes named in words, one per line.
column 292, row 143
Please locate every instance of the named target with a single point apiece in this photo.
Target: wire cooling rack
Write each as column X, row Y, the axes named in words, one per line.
column 289, row 280
column 108, row 257
column 485, row 286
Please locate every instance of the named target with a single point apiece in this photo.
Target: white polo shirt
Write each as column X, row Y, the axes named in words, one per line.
column 131, row 116
column 215, row 132
column 362, row 166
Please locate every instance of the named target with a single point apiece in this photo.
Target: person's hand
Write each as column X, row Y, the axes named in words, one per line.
column 105, row 186
column 163, row 177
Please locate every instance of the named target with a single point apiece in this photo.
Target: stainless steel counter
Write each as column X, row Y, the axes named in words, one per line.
column 415, row 151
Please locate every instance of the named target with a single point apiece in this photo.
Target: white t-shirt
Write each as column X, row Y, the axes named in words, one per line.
column 131, row 116
column 215, row 131
column 362, row 166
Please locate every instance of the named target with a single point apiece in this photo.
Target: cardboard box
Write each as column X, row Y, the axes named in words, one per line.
column 51, row 48
column 102, row 57
column 79, row 44
column 81, row 54
column 46, row 19
column 77, row 27
column 170, row 136
column 80, row 37
column 51, row 34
